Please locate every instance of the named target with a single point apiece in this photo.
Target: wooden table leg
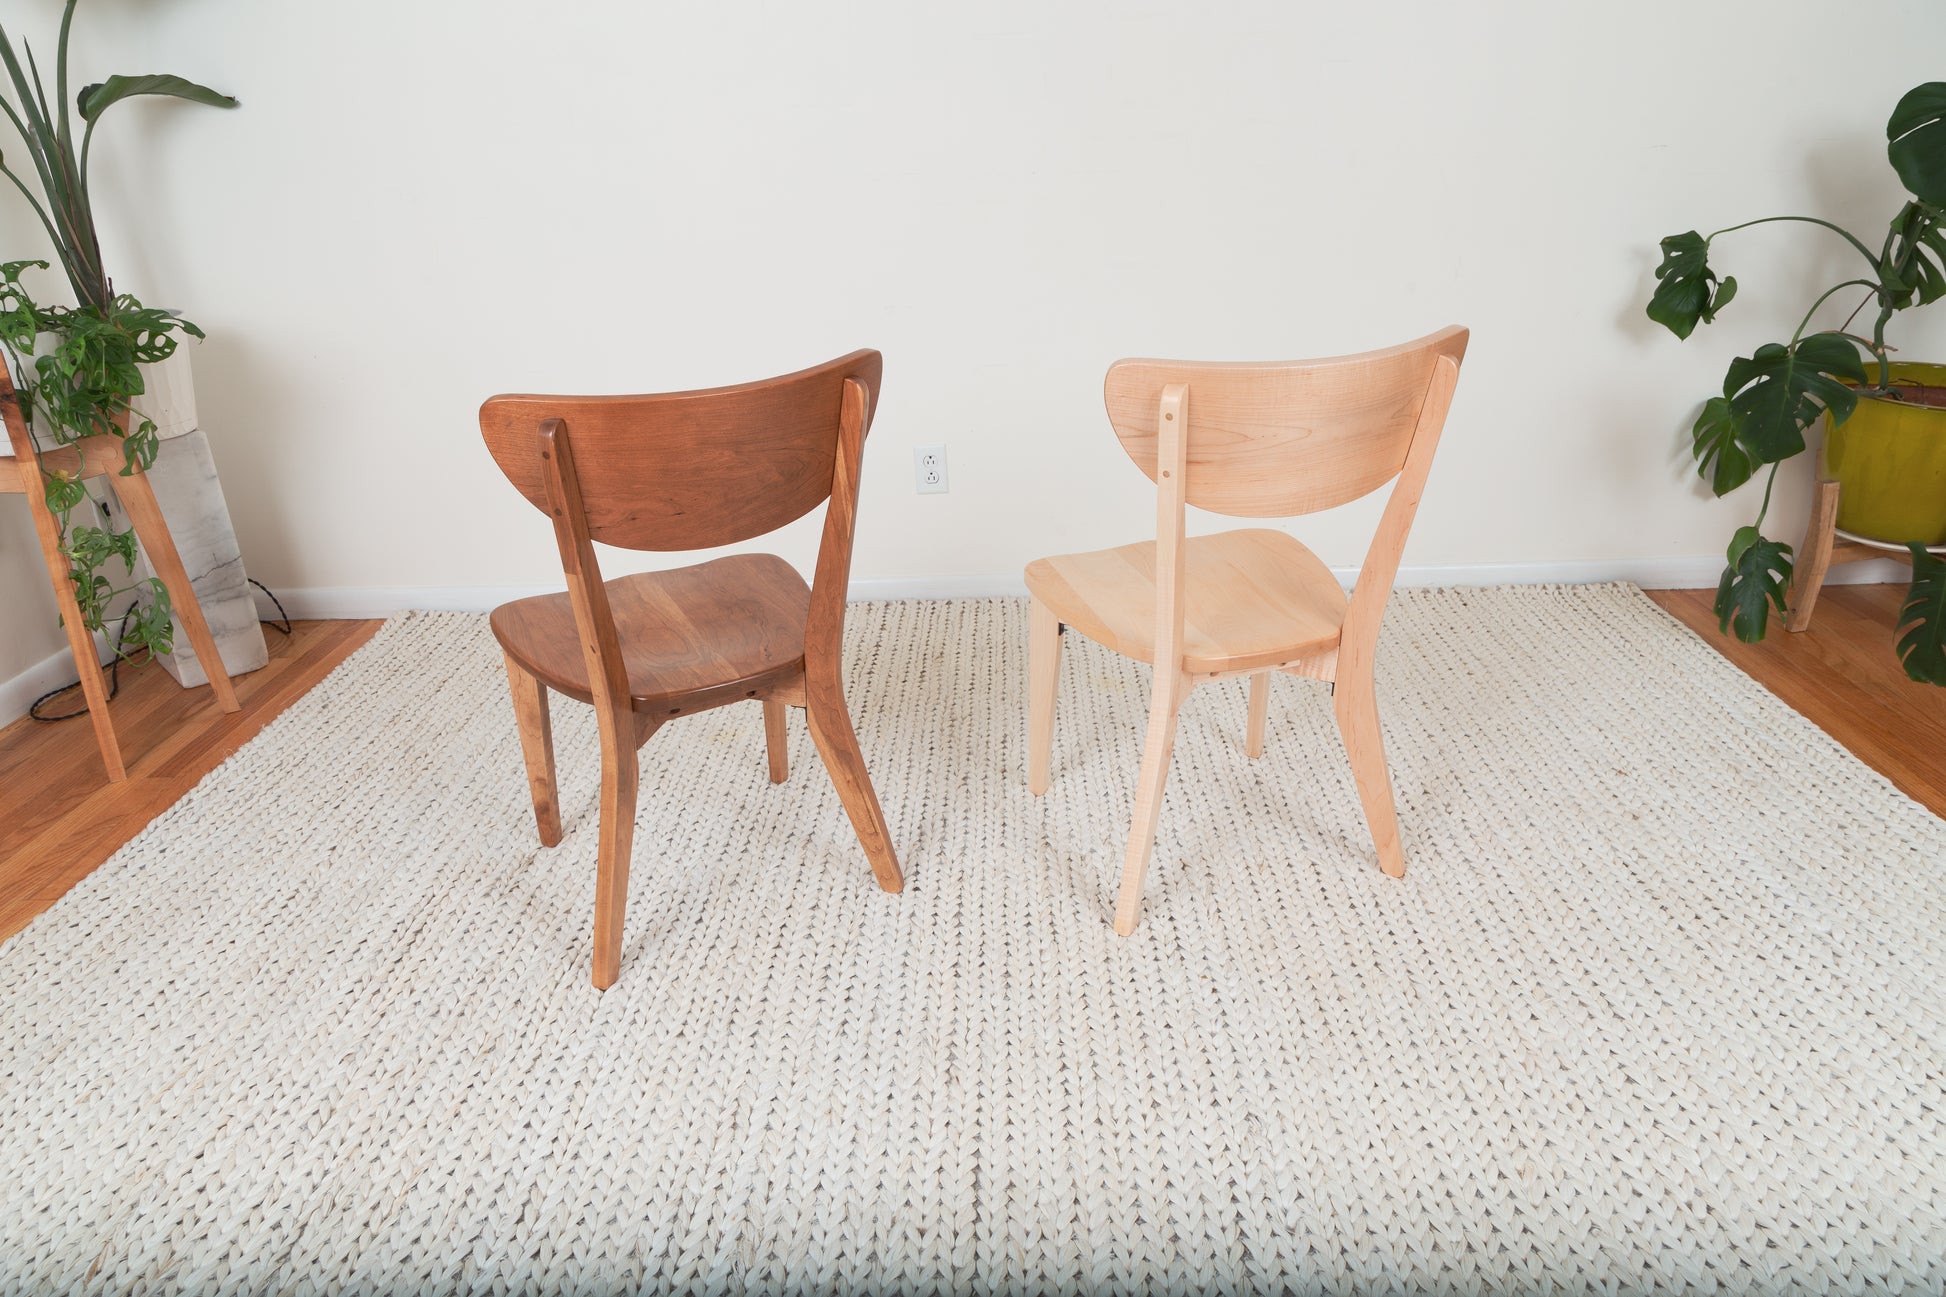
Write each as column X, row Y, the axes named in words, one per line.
column 1814, row 555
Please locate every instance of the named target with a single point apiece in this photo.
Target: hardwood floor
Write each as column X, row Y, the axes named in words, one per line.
column 1843, row 674
column 59, row 818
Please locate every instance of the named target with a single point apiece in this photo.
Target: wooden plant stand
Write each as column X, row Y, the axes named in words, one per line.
column 1824, row 545
column 101, row 456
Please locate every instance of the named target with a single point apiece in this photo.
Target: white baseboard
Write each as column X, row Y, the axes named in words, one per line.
column 329, row 603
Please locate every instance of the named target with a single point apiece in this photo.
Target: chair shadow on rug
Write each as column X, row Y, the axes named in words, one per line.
column 1254, row 441
column 684, row 471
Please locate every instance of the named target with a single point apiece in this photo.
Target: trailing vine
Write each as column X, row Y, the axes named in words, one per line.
column 82, row 388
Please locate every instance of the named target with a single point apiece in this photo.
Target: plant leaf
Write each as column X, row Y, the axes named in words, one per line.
column 1753, row 584
column 1778, row 391
column 1720, row 458
column 94, row 99
column 1922, row 621
column 1686, row 288
column 1907, row 269
column 1916, row 142
column 63, row 492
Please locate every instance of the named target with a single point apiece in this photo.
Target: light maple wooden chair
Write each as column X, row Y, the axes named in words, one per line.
column 102, row 456
column 683, row 471
column 1253, row 441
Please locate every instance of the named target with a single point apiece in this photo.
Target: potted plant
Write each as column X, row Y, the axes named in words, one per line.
column 1886, row 428
column 94, row 367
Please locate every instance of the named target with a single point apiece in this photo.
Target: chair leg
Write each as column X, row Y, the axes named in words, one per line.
column 1043, row 683
column 1814, row 555
column 1253, row 743
column 145, row 515
column 620, row 774
column 837, row 744
column 776, row 741
column 1156, row 752
column 1357, row 709
column 537, row 747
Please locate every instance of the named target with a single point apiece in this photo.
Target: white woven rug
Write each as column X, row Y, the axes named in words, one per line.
column 1659, row 1005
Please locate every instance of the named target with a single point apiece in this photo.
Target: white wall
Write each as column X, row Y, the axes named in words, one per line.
column 424, row 203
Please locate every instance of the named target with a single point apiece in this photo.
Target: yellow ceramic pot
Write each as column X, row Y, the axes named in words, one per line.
column 1889, row 460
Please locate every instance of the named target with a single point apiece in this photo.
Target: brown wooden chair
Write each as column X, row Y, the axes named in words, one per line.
column 102, row 456
column 682, row 471
column 1254, row 441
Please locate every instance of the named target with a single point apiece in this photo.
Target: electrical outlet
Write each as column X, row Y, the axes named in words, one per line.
column 929, row 469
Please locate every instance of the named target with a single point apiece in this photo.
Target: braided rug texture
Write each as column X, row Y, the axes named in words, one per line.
column 1658, row 1006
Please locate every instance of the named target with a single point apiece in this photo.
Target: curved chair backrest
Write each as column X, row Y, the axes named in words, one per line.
column 689, row 470
column 1277, row 439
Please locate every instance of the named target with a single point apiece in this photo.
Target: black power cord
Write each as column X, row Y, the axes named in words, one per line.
column 114, row 669
column 284, row 629
column 114, row 665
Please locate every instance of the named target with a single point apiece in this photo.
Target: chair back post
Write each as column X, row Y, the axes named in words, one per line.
column 824, row 630
column 601, row 646
column 1358, row 642
column 1171, row 496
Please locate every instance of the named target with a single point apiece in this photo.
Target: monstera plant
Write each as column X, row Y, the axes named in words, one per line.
column 1771, row 397
column 78, row 367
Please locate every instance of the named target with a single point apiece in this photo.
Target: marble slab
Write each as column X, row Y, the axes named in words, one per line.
column 191, row 496
column 186, row 486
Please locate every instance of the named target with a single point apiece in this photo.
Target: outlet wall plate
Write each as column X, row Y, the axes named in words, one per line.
column 929, row 470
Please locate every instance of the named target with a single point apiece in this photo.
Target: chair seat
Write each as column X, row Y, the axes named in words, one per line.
column 691, row 638
column 1254, row 598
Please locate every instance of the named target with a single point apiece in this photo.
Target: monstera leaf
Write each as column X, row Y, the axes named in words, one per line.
column 1916, row 142
column 1922, row 621
column 1778, row 391
column 1753, row 584
column 1686, row 288
column 1912, row 266
column 96, row 98
column 1720, row 458
column 20, row 322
